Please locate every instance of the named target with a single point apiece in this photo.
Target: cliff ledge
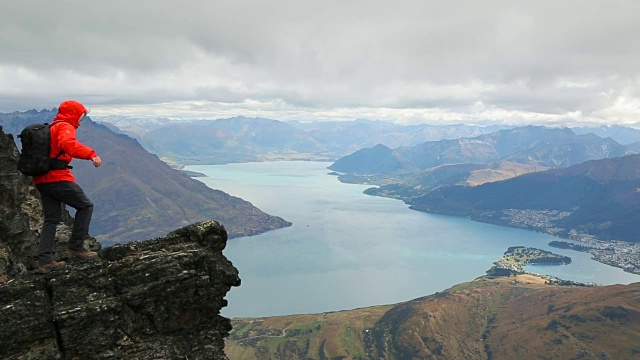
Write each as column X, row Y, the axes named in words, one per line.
column 159, row 298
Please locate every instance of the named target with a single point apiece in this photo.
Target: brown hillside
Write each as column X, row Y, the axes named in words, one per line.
column 587, row 323
column 625, row 168
column 504, row 318
column 501, row 171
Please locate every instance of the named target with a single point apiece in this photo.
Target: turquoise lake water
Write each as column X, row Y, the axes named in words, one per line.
column 348, row 250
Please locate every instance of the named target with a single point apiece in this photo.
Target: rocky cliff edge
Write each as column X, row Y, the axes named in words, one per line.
column 155, row 299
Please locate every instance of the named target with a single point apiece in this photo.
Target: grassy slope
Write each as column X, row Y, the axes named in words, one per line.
column 503, row 318
column 318, row 336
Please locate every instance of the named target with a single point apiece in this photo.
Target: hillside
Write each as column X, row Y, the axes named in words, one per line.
column 598, row 197
column 466, row 174
column 137, row 196
column 502, row 318
column 375, row 160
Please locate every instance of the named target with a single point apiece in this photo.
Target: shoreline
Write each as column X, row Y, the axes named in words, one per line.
column 517, row 257
column 619, row 254
column 616, row 253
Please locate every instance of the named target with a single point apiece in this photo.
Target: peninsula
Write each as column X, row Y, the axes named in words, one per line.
column 517, row 257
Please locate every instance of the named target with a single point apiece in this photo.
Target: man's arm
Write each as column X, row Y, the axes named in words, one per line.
column 72, row 147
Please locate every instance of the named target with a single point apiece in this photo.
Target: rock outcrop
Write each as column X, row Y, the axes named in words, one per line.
column 20, row 209
column 154, row 299
column 144, row 300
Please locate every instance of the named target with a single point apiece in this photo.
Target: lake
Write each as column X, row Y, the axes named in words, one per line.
column 348, row 250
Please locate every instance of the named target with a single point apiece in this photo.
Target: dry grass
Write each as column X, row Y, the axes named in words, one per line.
column 333, row 334
column 530, row 279
column 518, row 317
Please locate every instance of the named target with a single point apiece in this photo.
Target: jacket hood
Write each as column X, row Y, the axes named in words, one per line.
column 70, row 112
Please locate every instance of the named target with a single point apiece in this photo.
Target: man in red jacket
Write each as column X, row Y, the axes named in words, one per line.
column 58, row 187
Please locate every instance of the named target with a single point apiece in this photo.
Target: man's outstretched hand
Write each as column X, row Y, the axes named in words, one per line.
column 96, row 161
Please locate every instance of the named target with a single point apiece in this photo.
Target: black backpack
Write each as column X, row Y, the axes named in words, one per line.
column 36, row 147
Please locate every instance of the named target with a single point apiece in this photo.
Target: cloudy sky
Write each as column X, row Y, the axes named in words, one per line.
column 474, row 62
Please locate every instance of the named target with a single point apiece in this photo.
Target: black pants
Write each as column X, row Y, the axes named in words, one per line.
column 54, row 196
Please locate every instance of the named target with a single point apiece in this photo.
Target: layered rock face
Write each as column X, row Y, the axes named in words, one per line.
column 20, row 212
column 155, row 299
column 145, row 300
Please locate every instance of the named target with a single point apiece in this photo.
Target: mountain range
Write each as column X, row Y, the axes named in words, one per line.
column 621, row 134
column 534, row 145
column 339, row 138
column 231, row 140
column 138, row 196
column 242, row 139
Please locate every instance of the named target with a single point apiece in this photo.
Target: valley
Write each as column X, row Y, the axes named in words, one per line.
column 345, row 242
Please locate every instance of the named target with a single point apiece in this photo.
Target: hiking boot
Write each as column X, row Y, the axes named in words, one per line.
column 83, row 253
column 51, row 266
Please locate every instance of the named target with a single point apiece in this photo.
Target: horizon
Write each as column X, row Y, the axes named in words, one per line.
column 111, row 118
column 409, row 62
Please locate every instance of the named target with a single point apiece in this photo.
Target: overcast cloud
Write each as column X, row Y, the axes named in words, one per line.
column 476, row 62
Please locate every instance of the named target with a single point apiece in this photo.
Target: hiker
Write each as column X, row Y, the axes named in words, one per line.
column 58, row 187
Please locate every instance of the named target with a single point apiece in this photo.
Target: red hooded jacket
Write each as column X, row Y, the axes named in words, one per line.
column 63, row 138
